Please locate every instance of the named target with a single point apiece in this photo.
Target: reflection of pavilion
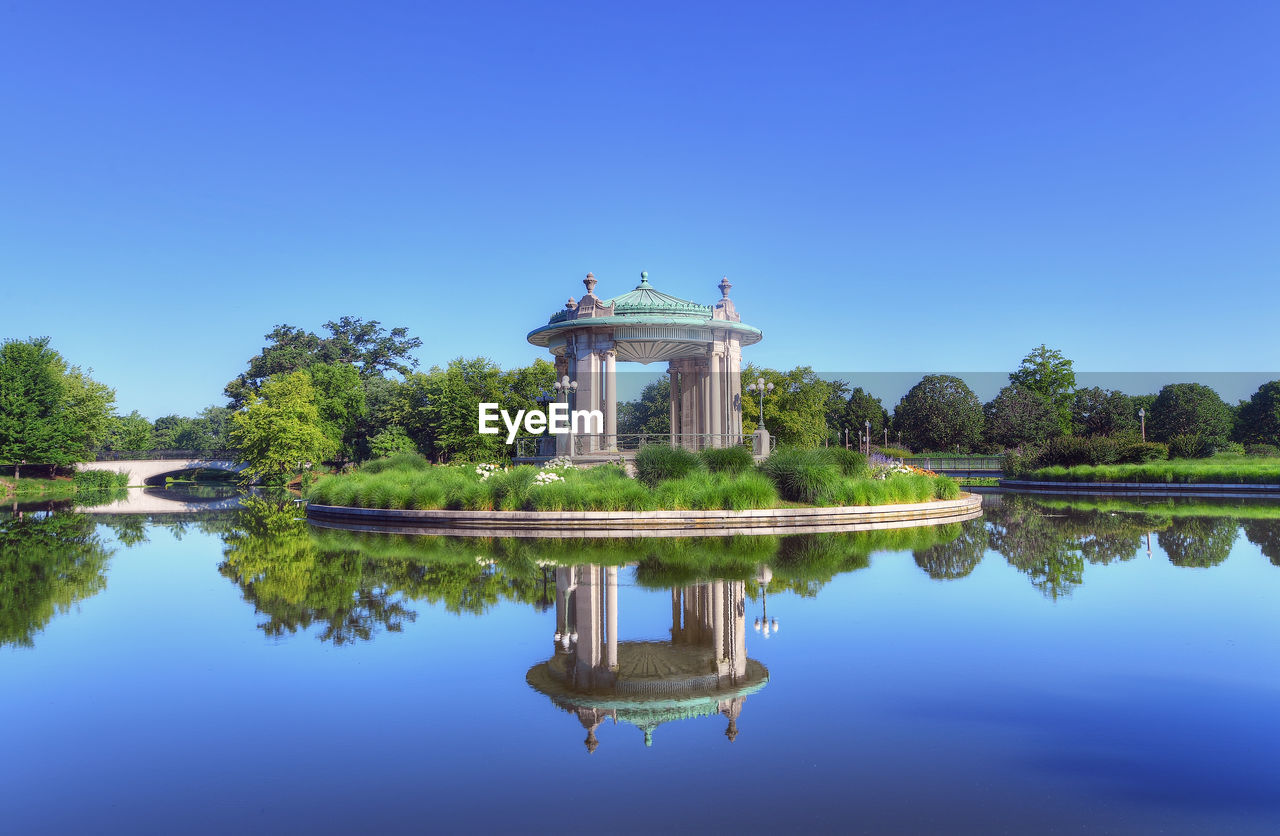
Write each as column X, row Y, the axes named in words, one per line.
column 703, row 670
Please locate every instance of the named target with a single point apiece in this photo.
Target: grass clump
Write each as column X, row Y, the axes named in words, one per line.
column 802, row 475
column 1222, row 468
column 728, row 459
column 658, row 462
column 397, row 461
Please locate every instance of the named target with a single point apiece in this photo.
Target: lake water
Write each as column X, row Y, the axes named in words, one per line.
column 1052, row 667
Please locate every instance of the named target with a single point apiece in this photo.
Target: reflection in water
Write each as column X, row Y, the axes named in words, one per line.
column 1265, row 534
column 700, row 671
column 48, row 563
column 957, row 558
column 1198, row 541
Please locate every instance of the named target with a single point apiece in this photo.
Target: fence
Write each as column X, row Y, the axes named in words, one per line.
column 139, row 455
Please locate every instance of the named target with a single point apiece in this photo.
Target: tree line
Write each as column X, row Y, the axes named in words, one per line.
column 355, row 392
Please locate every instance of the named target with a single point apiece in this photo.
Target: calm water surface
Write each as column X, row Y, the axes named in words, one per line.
column 1053, row 667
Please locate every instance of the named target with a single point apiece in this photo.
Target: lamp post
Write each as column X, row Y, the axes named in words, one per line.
column 868, row 426
column 1142, row 416
column 568, row 387
column 763, row 625
column 761, row 387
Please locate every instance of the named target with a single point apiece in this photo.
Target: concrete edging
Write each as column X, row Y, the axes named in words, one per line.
column 1230, row 490
column 648, row 523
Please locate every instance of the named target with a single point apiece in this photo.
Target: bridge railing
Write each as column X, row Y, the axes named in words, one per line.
column 968, row 463
column 141, row 455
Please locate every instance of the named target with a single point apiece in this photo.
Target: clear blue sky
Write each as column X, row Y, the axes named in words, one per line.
column 889, row 186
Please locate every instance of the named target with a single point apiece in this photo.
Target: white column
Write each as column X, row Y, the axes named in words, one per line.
column 588, row 613
column 610, row 400
column 588, row 394
column 673, row 394
column 717, row 404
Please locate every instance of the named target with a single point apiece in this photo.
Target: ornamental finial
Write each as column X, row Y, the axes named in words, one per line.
column 570, row 305
column 724, row 287
column 644, row 278
column 590, row 282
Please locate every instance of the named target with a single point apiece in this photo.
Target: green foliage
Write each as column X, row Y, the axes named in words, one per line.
column 99, row 480
column 1218, row 470
column 1189, row 446
column 1140, row 452
column 1259, row 418
column 391, row 441
column 802, row 475
column 658, row 462
column 956, row 558
column 851, row 462
column 1020, row 416
column 340, row 402
column 279, row 430
column 1188, row 409
column 894, row 452
column 727, row 459
column 939, row 413
column 1261, row 450
column 651, row 413
column 397, row 461
column 795, row 412
column 853, row 412
column 128, row 432
column 1047, row 373
column 1096, row 411
column 49, row 414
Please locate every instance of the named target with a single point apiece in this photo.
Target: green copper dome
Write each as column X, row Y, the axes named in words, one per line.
column 645, row 299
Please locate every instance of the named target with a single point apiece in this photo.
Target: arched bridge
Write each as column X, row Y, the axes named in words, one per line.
column 144, row 465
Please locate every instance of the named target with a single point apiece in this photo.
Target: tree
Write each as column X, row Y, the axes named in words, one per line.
column 939, row 413
column 129, row 432
column 87, row 407
column 650, row 413
column 1188, row 409
column 366, row 346
column 1019, row 416
column 795, row 412
column 339, row 394
column 33, row 425
column 1107, row 412
column 1046, row 372
column 1259, row 421
column 279, row 429
column 852, row 409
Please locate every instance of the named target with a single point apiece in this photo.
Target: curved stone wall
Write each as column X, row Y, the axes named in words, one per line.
column 648, row 523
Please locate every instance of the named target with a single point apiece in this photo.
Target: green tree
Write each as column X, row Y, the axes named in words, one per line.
column 1046, row 372
column 940, row 413
column 1188, row 409
column 851, row 410
column 341, row 403
column 650, row 413
column 280, row 428
column 129, row 432
column 87, row 407
column 1107, row 412
column 1019, row 416
column 1259, row 419
column 32, row 428
column 795, row 412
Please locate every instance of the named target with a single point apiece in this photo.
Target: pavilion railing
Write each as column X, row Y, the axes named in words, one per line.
column 544, row 446
column 137, row 455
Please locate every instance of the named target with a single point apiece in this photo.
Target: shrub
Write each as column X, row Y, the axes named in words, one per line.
column 1068, row 451
column 1187, row 446
column 802, row 475
column 850, row 462
column 1261, row 450
column 658, row 462
column 1139, row 452
column 1021, row 461
column 99, row 480
column 895, row 452
column 727, row 459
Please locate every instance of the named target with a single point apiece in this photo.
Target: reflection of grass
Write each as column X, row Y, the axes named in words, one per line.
column 1223, row 468
column 42, row 488
column 603, row 489
column 1172, row 507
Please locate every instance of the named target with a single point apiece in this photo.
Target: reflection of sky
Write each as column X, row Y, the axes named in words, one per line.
column 1146, row 699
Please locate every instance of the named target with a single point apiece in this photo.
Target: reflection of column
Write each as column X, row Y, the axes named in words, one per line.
column 611, row 607
column 610, row 400
column 718, row 645
column 737, row 623
column 588, row 617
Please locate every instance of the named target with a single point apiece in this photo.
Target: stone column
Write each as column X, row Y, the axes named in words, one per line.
column 717, row 403
column 688, row 422
column 733, row 358
column 587, row 605
column 565, row 366
column 611, row 608
column 610, row 400
column 588, row 395
column 673, row 394
column 704, row 395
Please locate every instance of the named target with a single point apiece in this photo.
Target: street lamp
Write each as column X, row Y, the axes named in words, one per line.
column 568, row 387
column 763, row 625
column 761, row 387
column 1142, row 416
column 868, row 425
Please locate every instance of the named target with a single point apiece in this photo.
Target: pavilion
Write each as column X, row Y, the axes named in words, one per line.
column 701, row 345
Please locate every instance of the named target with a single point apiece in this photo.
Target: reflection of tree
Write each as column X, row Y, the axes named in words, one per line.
column 1265, row 534
column 1036, row 545
column 48, row 562
column 130, row 530
column 948, row 561
column 1199, row 541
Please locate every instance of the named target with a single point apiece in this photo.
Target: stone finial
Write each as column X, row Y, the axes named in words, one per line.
column 732, row 731
column 590, row 282
column 644, row 278
column 724, row 287
column 570, row 305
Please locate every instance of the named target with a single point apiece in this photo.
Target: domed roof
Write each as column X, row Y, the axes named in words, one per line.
column 646, row 299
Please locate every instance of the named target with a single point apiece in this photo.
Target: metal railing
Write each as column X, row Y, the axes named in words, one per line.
column 938, row 464
column 138, row 455
column 544, row 446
